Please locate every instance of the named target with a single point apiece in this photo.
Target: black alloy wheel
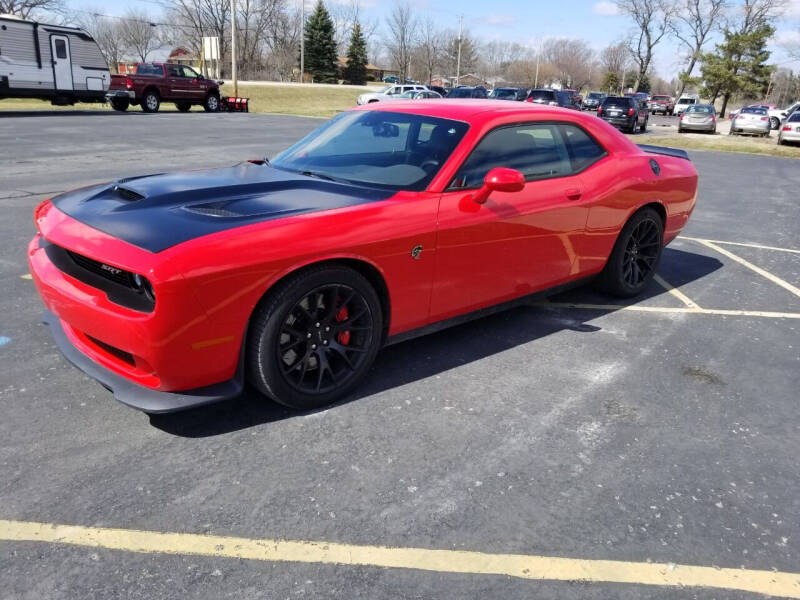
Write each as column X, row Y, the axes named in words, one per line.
column 314, row 338
column 636, row 255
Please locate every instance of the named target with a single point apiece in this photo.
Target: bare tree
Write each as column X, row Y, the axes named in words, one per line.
column 616, row 59
column 694, row 21
column 428, row 50
column 106, row 32
column 497, row 55
column 402, row 35
column 195, row 19
column 653, row 19
column 30, row 8
column 572, row 60
column 138, row 34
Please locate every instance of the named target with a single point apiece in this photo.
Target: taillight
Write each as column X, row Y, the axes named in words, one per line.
column 681, row 116
column 765, row 118
column 787, row 128
column 129, row 83
column 529, row 99
column 630, row 112
column 599, row 110
column 713, row 118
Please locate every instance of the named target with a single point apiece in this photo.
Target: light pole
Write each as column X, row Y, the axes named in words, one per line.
column 233, row 49
column 458, row 58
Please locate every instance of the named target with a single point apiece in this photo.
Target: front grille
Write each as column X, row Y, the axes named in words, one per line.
column 114, row 351
column 103, row 270
column 118, row 284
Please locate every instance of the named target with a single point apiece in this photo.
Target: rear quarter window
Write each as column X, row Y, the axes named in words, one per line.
column 583, row 150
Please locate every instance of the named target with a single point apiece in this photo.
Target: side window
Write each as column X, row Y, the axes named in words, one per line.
column 61, row 49
column 583, row 150
column 174, row 71
column 536, row 150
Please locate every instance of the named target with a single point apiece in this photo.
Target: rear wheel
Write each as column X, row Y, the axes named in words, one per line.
column 314, row 338
column 774, row 122
column 120, row 104
column 183, row 106
column 150, row 101
column 635, row 256
column 643, row 128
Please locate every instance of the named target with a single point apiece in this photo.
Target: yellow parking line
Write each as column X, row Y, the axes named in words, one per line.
column 773, row 278
column 773, row 583
column 745, row 244
column 675, row 291
column 673, row 310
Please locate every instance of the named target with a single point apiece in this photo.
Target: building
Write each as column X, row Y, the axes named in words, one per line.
column 374, row 73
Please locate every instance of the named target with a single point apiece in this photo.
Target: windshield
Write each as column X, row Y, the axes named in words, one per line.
column 408, row 94
column 754, row 110
column 700, row 109
column 543, row 95
column 686, row 101
column 595, row 96
column 503, row 93
column 794, row 117
column 375, row 148
column 386, row 89
column 660, row 97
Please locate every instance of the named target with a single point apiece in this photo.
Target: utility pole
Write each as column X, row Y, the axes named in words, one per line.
column 302, row 38
column 538, row 57
column 458, row 58
column 233, row 49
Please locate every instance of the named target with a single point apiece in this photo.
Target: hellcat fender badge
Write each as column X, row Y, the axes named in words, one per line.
column 416, row 251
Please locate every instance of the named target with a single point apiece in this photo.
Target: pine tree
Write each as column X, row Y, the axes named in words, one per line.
column 320, row 47
column 355, row 72
column 738, row 66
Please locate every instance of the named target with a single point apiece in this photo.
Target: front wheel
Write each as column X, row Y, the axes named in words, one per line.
column 212, row 103
column 314, row 338
column 774, row 122
column 636, row 254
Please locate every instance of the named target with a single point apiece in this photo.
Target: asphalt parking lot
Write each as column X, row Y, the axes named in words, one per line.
column 657, row 434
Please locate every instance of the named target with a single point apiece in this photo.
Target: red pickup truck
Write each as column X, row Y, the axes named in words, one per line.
column 154, row 83
column 662, row 104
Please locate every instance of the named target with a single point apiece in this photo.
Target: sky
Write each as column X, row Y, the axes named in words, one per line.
column 525, row 21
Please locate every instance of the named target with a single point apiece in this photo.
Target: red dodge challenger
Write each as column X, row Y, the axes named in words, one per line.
column 386, row 222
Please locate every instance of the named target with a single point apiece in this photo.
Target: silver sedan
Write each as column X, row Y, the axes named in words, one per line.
column 753, row 120
column 698, row 117
column 789, row 130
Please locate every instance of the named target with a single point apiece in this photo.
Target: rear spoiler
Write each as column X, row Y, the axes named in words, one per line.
column 676, row 152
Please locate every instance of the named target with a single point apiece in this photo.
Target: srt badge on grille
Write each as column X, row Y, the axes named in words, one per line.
column 110, row 269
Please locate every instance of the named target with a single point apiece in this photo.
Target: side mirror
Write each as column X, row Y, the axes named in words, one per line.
column 199, row 77
column 500, row 179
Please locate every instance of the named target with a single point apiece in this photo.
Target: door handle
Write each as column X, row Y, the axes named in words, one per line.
column 573, row 194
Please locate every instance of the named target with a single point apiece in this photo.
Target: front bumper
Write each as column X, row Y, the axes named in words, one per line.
column 137, row 396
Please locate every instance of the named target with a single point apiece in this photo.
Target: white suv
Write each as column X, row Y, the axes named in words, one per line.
column 391, row 92
column 777, row 115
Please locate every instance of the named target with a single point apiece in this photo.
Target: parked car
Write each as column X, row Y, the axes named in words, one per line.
column 391, row 79
column 50, row 62
column 577, row 99
column 171, row 289
column 465, row 91
column 752, row 120
column 777, row 115
column 661, row 104
column 509, row 93
column 388, row 93
column 594, row 100
column 698, row 117
column 790, row 129
column 624, row 112
column 439, row 90
column 552, row 98
column 154, row 83
column 419, row 95
column 684, row 102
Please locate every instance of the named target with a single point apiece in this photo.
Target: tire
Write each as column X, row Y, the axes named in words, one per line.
column 285, row 319
column 643, row 128
column 774, row 123
column 680, row 130
column 211, row 103
column 150, row 101
column 780, row 141
column 630, row 268
column 120, row 104
column 183, row 106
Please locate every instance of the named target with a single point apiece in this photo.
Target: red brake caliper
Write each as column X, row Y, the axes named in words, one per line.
column 344, row 336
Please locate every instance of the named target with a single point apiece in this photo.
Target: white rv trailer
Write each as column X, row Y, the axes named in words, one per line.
column 51, row 62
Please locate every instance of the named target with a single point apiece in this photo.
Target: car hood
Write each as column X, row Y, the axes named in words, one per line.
column 156, row 212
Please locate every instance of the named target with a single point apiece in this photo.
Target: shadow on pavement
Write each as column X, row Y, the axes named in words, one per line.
column 429, row 355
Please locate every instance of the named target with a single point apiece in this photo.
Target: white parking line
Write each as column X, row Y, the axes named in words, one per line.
column 675, row 292
column 745, row 244
column 673, row 310
column 773, row 278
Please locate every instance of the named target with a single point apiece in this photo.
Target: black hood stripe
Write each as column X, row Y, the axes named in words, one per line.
column 160, row 211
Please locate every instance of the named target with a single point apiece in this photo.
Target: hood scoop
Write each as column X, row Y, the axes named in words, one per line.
column 127, row 194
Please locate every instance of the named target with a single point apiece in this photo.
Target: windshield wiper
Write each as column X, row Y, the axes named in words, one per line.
column 316, row 175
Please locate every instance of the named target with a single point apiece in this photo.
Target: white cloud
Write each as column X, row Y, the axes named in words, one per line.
column 787, row 37
column 605, row 8
column 792, row 10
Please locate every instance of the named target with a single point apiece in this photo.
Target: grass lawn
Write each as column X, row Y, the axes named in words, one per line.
column 722, row 142
column 296, row 100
